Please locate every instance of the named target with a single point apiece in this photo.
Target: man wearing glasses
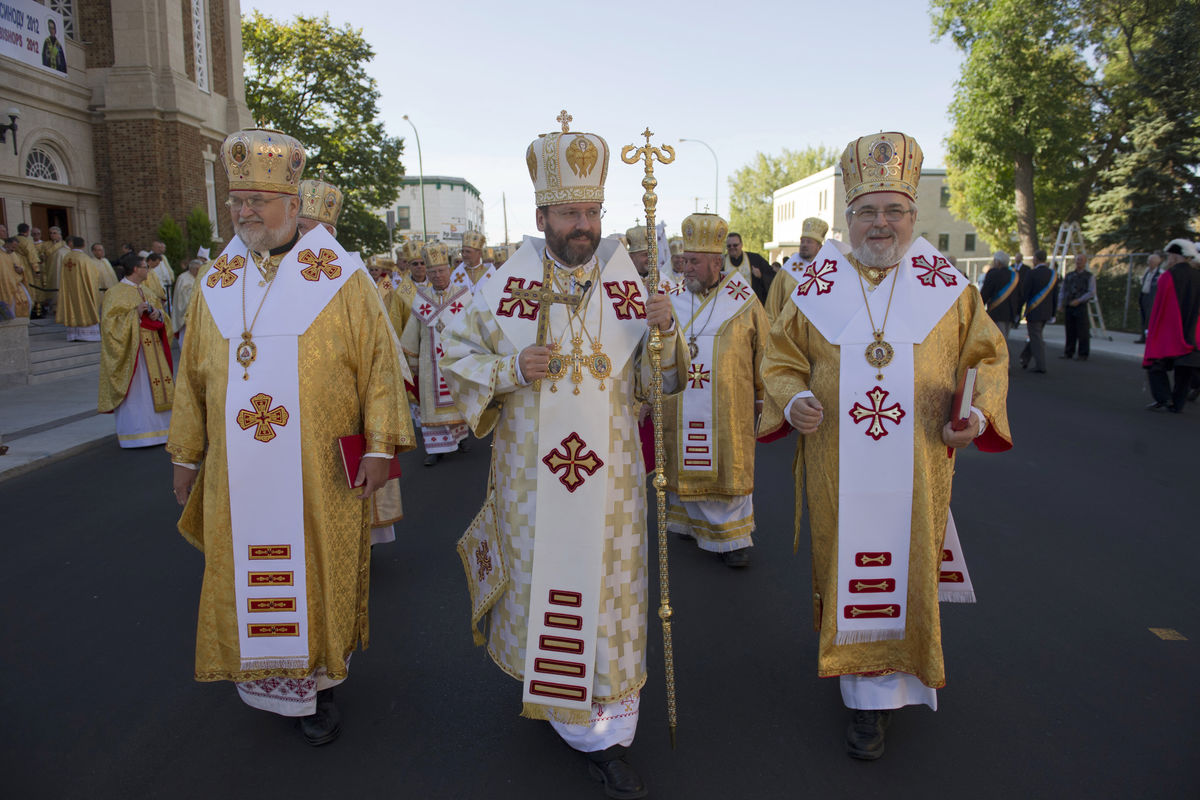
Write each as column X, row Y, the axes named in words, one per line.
column 551, row 356
column 287, row 352
column 863, row 361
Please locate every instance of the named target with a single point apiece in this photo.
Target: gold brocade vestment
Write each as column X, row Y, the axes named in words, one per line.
column 78, row 291
column 350, row 382
column 798, row 358
column 122, row 338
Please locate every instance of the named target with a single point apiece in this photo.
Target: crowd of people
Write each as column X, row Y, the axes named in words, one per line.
column 303, row 372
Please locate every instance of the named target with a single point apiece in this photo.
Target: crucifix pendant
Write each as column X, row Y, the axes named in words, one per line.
column 247, row 351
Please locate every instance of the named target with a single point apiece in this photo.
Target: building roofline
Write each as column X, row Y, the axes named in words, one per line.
column 409, row 180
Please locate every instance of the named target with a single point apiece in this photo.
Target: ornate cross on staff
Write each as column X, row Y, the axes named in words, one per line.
column 649, row 154
column 544, row 296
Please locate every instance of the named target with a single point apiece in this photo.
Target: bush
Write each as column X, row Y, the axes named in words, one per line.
column 170, row 234
column 199, row 232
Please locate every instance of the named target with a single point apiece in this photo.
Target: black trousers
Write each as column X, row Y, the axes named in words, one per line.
column 1079, row 331
column 1035, row 347
column 1160, row 383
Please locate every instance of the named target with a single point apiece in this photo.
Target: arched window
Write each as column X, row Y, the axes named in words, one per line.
column 43, row 166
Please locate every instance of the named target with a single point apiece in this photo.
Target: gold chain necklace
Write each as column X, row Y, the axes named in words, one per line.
column 598, row 363
column 879, row 353
column 247, row 351
column 712, row 304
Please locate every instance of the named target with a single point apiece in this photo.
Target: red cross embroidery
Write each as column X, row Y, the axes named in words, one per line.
column 877, row 413
column 737, row 291
column 572, row 463
column 940, row 268
column 262, row 416
column 483, row 560
column 456, row 307
column 424, row 309
column 458, row 278
column 223, row 271
column 627, row 299
column 318, row 264
column 522, row 307
column 698, row 376
column 817, row 277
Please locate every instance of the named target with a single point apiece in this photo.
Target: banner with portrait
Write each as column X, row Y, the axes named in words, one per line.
column 33, row 34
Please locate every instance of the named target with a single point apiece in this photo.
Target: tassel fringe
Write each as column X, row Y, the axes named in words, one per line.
column 860, row 637
column 956, row 596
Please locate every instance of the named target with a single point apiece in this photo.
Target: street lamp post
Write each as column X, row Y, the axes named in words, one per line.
column 716, row 174
column 421, row 178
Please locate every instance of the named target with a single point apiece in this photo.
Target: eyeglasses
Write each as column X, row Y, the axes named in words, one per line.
column 255, row 204
column 573, row 216
column 870, row 214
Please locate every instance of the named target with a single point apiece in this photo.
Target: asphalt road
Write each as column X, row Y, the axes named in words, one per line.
column 1079, row 540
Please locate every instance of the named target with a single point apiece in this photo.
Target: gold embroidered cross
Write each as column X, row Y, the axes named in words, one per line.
column 263, row 416
column 484, row 559
column 223, row 271
column 698, row 376
column 318, row 264
column 877, row 413
column 564, row 119
column 572, row 463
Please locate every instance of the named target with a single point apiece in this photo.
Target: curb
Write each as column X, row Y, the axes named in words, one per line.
column 51, row 458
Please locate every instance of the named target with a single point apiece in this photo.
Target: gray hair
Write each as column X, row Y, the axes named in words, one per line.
column 1000, row 257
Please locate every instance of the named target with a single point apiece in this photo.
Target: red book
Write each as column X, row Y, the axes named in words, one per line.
column 960, row 409
column 352, row 448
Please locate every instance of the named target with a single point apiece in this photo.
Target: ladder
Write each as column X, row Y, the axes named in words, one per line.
column 1067, row 245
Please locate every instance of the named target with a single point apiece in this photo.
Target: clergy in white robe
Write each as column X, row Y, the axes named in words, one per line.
column 556, row 559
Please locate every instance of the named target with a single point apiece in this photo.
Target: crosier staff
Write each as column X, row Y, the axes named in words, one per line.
column 649, row 154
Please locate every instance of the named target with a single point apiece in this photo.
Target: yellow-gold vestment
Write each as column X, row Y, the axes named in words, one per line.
column 123, row 335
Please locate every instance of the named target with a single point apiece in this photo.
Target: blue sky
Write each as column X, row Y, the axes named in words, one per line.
column 482, row 79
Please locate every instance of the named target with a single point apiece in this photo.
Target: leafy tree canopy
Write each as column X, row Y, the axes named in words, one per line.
column 753, row 185
column 308, row 79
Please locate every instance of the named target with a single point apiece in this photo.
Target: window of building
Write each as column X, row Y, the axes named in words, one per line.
column 200, row 42
column 944, row 202
column 210, row 192
column 403, row 219
column 43, row 166
column 943, row 242
column 969, row 243
column 67, row 9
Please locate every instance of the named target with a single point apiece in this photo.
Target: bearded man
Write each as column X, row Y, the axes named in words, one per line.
column 864, row 362
column 567, row 498
column 812, row 236
column 288, row 352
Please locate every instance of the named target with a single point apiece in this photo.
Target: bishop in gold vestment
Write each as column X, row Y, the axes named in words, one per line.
column 79, row 294
column 708, row 428
column 342, row 377
column 819, row 387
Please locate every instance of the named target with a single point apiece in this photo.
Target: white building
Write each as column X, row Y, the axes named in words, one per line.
column 452, row 206
column 823, row 195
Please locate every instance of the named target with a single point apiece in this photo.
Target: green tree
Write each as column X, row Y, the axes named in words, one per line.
column 171, row 235
column 1150, row 192
column 308, row 78
column 199, row 232
column 1021, row 114
column 751, row 189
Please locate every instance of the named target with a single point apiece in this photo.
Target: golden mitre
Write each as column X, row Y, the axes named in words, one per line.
column 436, row 254
column 489, row 254
column 704, row 233
column 410, row 250
column 814, row 228
column 882, row 162
column 676, row 245
column 567, row 167
column 636, row 237
column 260, row 160
column 320, row 201
column 474, row 239
column 499, row 254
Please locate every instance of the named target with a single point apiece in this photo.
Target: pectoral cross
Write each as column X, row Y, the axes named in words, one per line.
column 545, row 296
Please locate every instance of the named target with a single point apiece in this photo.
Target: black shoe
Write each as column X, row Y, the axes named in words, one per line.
column 1156, row 406
column 1083, row 358
column 737, row 558
column 464, row 446
column 864, row 735
column 1039, row 371
column 1064, row 355
column 326, row 724
column 620, row 780
column 1193, row 395
column 432, row 459
column 1024, row 363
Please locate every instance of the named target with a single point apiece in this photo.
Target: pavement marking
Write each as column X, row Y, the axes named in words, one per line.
column 1169, row 634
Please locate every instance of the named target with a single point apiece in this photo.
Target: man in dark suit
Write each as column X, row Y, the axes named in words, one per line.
column 1154, row 271
column 1002, row 293
column 1041, row 298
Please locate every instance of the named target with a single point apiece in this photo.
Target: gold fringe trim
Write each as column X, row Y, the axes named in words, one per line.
column 561, row 715
column 955, row 596
column 860, row 637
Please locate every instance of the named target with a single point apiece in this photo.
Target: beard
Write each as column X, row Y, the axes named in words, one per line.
column 573, row 250
column 880, row 252
column 261, row 239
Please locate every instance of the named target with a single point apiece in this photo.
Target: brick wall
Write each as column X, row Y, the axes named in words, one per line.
column 93, row 24
column 151, row 168
column 219, row 47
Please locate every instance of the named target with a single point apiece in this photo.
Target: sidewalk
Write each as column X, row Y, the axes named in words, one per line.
column 49, row 422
